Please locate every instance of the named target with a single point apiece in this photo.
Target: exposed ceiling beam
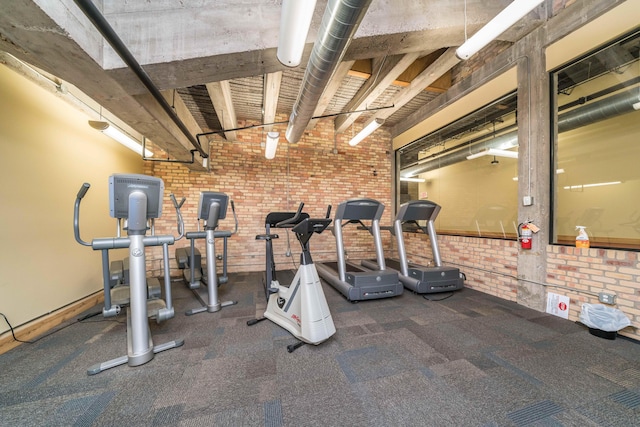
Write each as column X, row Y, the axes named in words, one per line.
column 330, row 91
column 183, row 112
column 160, row 122
column 430, row 74
column 362, row 69
column 220, row 93
column 387, row 71
column 439, row 86
column 270, row 96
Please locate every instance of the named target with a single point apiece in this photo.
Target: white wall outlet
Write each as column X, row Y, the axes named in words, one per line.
column 527, row 200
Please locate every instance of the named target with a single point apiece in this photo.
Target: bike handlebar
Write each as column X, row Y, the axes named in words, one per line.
column 293, row 219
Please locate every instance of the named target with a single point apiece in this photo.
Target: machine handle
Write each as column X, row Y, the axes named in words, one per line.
column 328, row 211
column 76, row 213
column 179, row 220
column 175, row 203
column 235, row 217
column 293, row 219
column 83, row 190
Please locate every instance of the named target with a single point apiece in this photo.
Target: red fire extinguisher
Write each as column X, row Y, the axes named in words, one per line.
column 525, row 236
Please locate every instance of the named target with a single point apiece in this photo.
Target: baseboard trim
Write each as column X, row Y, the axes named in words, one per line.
column 43, row 324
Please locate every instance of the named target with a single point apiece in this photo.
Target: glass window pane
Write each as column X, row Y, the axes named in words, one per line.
column 478, row 195
column 597, row 178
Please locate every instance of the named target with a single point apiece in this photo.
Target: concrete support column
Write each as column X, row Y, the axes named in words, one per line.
column 533, row 168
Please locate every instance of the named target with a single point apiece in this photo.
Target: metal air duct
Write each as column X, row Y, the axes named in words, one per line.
column 339, row 23
column 607, row 108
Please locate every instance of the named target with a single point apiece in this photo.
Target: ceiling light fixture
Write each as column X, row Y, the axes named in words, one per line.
column 295, row 20
column 118, row 135
column 412, row 179
column 368, row 130
column 498, row 25
column 271, row 145
column 494, row 152
column 597, row 184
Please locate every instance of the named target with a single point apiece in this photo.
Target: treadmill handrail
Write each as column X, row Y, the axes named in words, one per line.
column 414, row 211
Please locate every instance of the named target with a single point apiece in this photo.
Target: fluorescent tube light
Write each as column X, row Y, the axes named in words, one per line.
column 597, row 184
column 494, row 152
column 412, row 179
column 271, row 145
column 116, row 134
column 295, row 20
column 368, row 130
column 498, row 25
column 558, row 171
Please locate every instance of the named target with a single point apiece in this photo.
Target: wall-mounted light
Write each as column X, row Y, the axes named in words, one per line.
column 295, row 20
column 271, row 145
column 494, row 152
column 412, row 179
column 498, row 25
column 368, row 130
column 116, row 134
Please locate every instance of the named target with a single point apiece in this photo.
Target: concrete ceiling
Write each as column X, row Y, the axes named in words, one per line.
column 215, row 60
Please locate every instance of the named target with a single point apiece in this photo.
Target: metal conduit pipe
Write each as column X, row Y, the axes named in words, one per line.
column 339, row 23
column 101, row 24
column 610, row 107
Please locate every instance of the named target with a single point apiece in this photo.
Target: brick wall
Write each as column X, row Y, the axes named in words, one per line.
column 312, row 172
column 490, row 266
column 582, row 273
column 309, row 171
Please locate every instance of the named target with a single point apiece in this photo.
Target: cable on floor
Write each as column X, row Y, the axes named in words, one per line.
column 80, row 320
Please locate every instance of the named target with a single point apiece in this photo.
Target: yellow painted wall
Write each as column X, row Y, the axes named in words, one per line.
column 47, row 150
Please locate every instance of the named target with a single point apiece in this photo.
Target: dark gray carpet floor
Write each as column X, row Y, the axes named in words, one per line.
column 468, row 360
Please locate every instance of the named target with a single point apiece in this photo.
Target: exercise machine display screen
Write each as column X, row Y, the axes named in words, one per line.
column 122, row 185
column 206, row 199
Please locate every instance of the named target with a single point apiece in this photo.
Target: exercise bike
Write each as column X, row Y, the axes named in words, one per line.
column 300, row 308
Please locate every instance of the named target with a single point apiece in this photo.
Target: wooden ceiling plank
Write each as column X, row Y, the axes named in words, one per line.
column 388, row 70
column 270, row 95
column 430, row 74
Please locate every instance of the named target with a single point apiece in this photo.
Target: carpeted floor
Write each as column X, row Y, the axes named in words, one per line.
column 468, row 360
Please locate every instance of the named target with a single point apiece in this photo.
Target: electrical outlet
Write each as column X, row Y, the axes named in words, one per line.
column 606, row 298
column 527, row 200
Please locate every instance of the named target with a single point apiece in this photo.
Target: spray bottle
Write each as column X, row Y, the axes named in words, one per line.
column 582, row 239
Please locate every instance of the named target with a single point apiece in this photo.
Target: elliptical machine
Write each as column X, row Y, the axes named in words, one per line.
column 189, row 259
column 138, row 198
column 300, row 308
column 212, row 207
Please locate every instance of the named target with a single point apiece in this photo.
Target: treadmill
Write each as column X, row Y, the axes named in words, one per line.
column 354, row 281
column 420, row 279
